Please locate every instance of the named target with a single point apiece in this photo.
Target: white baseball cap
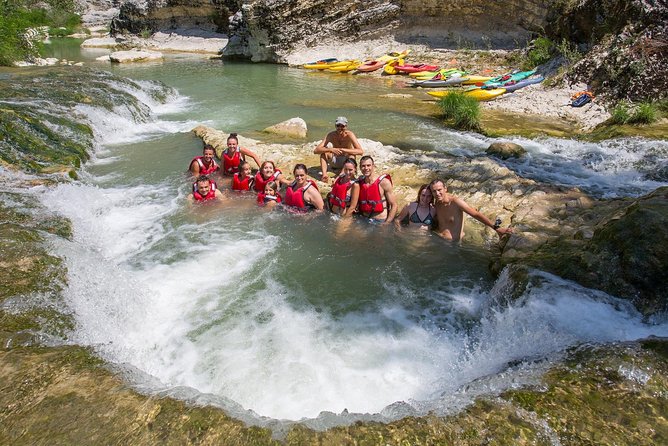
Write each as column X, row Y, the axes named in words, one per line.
column 341, row 120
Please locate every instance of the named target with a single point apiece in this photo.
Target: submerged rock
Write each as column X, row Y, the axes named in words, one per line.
column 294, row 127
column 505, row 150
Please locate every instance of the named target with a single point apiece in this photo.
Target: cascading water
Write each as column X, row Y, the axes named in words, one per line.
column 291, row 317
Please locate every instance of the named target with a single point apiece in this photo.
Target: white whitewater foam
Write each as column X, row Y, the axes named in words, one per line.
column 203, row 308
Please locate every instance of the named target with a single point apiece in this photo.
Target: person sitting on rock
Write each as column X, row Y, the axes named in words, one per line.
column 343, row 144
column 205, row 164
column 449, row 221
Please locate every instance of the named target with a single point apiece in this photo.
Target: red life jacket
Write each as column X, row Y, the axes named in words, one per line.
column 295, row 198
column 260, row 182
column 244, row 184
column 210, row 196
column 263, row 198
column 340, row 194
column 370, row 201
column 231, row 164
column 203, row 170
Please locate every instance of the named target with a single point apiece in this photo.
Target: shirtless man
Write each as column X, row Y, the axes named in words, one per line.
column 376, row 196
column 204, row 190
column 450, row 214
column 344, row 145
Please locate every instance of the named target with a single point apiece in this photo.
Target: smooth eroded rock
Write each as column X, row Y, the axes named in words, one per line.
column 294, row 127
column 505, row 150
column 134, row 56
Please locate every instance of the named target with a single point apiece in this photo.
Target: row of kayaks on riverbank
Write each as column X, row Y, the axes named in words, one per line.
column 481, row 88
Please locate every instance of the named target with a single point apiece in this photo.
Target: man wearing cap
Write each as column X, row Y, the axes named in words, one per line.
column 337, row 146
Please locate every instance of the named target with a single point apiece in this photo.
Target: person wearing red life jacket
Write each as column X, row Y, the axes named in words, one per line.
column 268, row 172
column 242, row 180
column 376, row 197
column 303, row 195
column 343, row 197
column 234, row 155
column 205, row 164
column 204, row 190
column 270, row 197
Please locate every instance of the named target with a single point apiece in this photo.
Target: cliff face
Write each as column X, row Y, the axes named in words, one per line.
column 267, row 30
column 137, row 16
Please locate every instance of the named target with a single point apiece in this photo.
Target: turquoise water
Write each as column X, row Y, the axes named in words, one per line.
column 289, row 315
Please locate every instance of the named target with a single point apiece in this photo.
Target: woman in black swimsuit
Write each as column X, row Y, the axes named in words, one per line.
column 419, row 213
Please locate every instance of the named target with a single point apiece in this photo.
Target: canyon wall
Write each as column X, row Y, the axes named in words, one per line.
column 268, row 30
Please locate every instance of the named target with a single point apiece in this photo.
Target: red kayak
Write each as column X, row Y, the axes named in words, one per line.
column 371, row 65
column 408, row 68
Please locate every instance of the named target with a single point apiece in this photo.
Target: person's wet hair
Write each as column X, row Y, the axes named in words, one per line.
column 203, row 178
column 423, row 187
column 233, row 136
column 367, row 157
column 208, row 147
column 264, row 163
column 299, row 166
column 351, row 161
column 436, row 181
column 272, row 185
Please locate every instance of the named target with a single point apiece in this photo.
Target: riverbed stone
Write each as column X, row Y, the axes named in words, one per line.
column 134, row 56
column 505, row 150
column 294, row 127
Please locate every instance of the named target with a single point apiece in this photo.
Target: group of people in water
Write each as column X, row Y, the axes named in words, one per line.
column 370, row 195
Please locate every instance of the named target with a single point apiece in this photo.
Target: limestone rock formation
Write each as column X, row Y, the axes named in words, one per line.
column 294, row 127
column 269, row 30
column 139, row 16
column 134, row 56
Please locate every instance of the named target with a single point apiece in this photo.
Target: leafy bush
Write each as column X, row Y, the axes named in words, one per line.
column 646, row 113
column 569, row 51
column 18, row 15
column 463, row 111
column 540, row 53
column 620, row 114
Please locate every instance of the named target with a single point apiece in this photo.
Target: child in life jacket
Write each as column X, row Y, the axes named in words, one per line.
column 270, row 197
column 243, row 180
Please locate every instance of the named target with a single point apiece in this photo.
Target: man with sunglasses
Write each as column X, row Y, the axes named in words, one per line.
column 337, row 147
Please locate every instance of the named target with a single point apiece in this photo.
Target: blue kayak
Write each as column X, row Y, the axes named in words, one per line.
column 510, row 87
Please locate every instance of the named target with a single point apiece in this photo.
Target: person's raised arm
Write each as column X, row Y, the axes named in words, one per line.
column 480, row 217
column 252, row 154
column 386, row 185
column 354, row 199
column 282, row 180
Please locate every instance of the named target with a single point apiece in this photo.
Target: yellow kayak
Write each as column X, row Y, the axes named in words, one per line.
column 389, row 67
column 430, row 74
column 393, row 56
column 438, row 94
column 485, row 95
column 478, row 94
column 476, row 79
column 325, row 65
column 352, row 65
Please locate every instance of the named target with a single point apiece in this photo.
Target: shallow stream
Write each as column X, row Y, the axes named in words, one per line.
column 290, row 316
